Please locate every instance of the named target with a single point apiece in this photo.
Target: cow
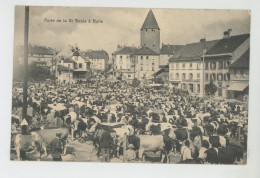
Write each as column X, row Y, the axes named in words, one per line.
column 155, row 143
column 150, row 143
column 25, row 142
column 47, row 135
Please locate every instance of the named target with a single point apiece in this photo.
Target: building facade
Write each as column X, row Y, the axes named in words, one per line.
column 38, row 55
column 98, row 59
column 124, row 62
column 219, row 59
column 72, row 66
column 186, row 67
column 147, row 63
column 239, row 76
column 65, row 75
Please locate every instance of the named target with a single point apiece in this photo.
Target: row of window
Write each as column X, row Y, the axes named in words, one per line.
column 96, row 63
column 217, row 77
column 215, row 65
column 142, row 69
column 184, row 65
column 184, row 77
column 208, row 65
column 191, row 87
column 153, row 30
column 147, row 64
column 213, row 77
column 141, row 57
column 97, row 59
column 239, row 72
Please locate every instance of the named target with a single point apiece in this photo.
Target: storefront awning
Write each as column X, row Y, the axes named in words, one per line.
column 237, row 86
column 81, row 70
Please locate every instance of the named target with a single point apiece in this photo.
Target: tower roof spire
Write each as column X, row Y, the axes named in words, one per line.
column 150, row 21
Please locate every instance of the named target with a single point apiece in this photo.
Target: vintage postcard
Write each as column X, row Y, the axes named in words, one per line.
column 130, row 85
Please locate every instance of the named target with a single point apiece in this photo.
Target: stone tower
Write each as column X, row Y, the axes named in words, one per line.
column 150, row 33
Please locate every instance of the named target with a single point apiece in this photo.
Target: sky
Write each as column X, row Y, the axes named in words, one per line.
column 122, row 26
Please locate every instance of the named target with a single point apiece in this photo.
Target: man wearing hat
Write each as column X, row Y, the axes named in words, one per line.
column 105, row 143
column 56, row 147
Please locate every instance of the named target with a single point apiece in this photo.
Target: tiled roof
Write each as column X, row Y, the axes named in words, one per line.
column 228, row 45
column 99, row 54
column 193, row 50
column 126, row 50
column 65, row 52
column 63, row 68
column 242, row 62
column 161, row 70
column 35, row 49
column 150, row 21
column 170, row 49
column 145, row 51
column 67, row 60
column 76, row 53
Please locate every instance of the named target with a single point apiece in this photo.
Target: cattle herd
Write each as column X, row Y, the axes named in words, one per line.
column 142, row 116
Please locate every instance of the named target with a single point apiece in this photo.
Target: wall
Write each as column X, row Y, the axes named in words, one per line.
column 146, row 67
column 79, row 60
column 151, row 39
column 188, row 68
column 122, row 62
column 65, row 76
column 164, row 59
column 69, row 65
column 98, row 64
column 38, row 58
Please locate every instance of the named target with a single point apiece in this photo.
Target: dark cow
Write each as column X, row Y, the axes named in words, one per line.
column 225, row 155
column 181, row 134
column 222, row 129
column 196, row 131
column 216, row 140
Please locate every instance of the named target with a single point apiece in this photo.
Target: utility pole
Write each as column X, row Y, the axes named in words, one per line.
column 134, row 66
column 69, row 75
column 203, row 69
column 25, row 81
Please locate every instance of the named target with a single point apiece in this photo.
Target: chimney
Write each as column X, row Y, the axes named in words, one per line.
column 226, row 34
column 203, row 40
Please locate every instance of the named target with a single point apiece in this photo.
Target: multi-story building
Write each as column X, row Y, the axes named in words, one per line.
column 98, row 59
column 219, row 58
column 124, row 63
column 72, row 66
column 239, row 76
column 150, row 33
column 38, row 55
column 147, row 63
column 65, row 75
column 186, row 67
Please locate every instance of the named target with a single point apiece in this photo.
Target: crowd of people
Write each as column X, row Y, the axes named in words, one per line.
column 98, row 102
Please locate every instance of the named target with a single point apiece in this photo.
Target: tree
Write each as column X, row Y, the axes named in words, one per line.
column 210, row 89
column 135, row 83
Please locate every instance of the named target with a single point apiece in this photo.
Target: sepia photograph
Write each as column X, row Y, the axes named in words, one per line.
column 130, row 85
